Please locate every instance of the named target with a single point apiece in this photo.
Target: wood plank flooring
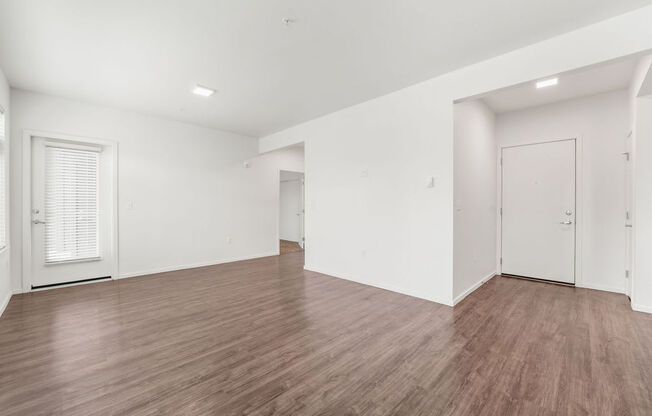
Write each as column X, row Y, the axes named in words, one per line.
column 265, row 337
column 286, row 247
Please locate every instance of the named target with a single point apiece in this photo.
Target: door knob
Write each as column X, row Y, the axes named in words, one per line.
column 566, row 222
column 38, row 222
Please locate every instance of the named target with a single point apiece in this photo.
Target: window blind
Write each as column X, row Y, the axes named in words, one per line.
column 71, row 204
column 3, row 191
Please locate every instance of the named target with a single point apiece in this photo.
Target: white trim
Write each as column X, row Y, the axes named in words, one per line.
column 278, row 207
column 641, row 308
column 473, row 287
column 604, row 288
column 28, row 134
column 5, row 302
column 391, row 288
column 195, row 265
column 579, row 212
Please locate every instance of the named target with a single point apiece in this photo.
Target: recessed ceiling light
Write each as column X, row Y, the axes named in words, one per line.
column 203, row 91
column 547, row 82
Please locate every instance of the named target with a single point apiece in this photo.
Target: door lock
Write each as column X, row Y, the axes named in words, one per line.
column 566, row 222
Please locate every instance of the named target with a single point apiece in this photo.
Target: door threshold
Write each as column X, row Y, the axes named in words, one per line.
column 534, row 279
column 74, row 282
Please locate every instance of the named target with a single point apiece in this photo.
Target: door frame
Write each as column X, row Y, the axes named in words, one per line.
column 579, row 220
column 278, row 208
column 112, row 147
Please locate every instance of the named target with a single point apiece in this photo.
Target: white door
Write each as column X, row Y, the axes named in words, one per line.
column 291, row 208
column 538, row 211
column 302, row 212
column 70, row 224
column 629, row 204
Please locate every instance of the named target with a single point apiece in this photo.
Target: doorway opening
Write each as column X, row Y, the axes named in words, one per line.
column 542, row 180
column 291, row 212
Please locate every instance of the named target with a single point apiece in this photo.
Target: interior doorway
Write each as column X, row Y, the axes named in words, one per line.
column 291, row 212
column 565, row 186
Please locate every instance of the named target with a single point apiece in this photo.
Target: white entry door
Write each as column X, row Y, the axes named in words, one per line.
column 71, row 203
column 538, row 211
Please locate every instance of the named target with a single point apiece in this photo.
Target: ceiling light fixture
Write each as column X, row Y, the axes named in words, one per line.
column 203, row 91
column 547, row 82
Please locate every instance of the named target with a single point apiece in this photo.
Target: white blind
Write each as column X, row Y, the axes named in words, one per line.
column 71, row 204
column 3, row 185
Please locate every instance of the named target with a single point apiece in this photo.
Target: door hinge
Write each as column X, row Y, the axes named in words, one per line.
column 501, row 261
column 626, row 274
column 626, row 215
column 626, row 154
column 501, row 161
column 501, row 210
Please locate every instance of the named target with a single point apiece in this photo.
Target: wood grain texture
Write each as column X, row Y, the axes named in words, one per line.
column 286, row 247
column 265, row 337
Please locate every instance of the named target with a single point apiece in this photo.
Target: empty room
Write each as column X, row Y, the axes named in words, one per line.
column 221, row 207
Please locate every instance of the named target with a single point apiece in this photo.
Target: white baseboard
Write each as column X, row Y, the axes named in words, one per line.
column 5, row 302
column 473, row 287
column 384, row 286
column 641, row 308
column 195, row 265
column 600, row 287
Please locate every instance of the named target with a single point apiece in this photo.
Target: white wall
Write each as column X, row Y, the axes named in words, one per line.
column 474, row 220
column 289, row 206
column 642, row 221
column 189, row 189
column 400, row 234
column 602, row 123
column 5, row 254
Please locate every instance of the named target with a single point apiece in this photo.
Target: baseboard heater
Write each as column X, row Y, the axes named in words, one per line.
column 554, row 282
column 94, row 279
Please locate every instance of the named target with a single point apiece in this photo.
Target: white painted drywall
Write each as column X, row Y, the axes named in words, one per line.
column 602, row 123
column 5, row 255
column 642, row 219
column 400, row 233
column 290, row 206
column 474, row 219
column 183, row 189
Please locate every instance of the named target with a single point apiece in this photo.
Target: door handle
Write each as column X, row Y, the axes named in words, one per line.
column 566, row 222
column 38, row 222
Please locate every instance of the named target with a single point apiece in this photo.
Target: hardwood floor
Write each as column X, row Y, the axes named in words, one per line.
column 263, row 337
column 286, row 247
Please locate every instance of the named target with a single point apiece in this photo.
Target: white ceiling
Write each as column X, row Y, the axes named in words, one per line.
column 146, row 55
column 587, row 81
